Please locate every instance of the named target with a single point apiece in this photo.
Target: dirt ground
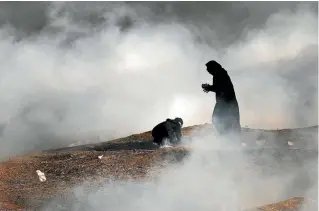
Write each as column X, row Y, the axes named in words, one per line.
column 126, row 158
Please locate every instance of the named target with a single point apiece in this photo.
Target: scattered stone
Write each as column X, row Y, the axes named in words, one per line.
column 41, row 175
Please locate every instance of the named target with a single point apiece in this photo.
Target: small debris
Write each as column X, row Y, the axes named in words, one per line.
column 290, row 143
column 41, row 175
column 166, row 146
column 100, row 157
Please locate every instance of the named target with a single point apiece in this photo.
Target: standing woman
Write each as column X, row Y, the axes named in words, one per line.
column 226, row 112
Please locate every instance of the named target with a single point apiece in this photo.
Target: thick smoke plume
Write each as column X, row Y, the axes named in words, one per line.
column 217, row 175
column 74, row 71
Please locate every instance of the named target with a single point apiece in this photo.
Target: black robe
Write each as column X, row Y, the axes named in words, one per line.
column 225, row 116
column 169, row 129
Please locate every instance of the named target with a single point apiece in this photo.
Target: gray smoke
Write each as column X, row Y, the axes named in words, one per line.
column 72, row 71
column 216, row 176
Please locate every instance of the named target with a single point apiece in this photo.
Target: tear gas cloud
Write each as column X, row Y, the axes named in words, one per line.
column 228, row 179
column 71, row 71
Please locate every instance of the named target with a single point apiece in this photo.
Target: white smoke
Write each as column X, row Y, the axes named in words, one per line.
column 125, row 71
column 217, row 175
column 113, row 71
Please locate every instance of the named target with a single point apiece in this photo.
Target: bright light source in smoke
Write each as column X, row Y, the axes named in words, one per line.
column 132, row 62
column 184, row 107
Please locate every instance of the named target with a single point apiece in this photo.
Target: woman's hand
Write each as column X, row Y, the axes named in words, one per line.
column 206, row 88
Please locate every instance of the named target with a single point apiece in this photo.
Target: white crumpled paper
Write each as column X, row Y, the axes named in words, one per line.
column 41, row 175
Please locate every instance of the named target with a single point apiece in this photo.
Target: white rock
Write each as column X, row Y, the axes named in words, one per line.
column 100, row 157
column 41, row 175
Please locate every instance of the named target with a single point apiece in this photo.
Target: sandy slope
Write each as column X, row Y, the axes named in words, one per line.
column 131, row 157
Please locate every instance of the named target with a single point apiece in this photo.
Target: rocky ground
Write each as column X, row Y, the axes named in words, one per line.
column 133, row 156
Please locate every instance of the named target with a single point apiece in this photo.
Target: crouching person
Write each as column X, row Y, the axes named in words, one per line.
column 171, row 130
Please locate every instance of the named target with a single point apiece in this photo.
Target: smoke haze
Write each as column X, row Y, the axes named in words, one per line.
column 208, row 179
column 74, row 70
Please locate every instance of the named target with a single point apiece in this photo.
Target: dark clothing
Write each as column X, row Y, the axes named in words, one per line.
column 170, row 129
column 226, row 112
column 226, row 117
